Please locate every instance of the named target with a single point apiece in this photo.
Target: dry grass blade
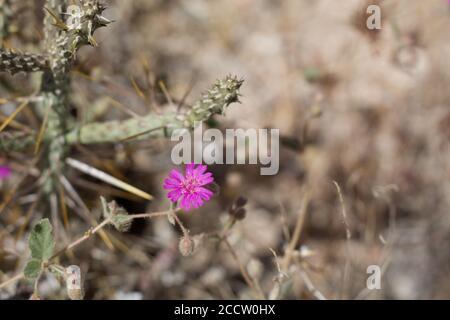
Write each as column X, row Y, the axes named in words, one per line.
column 138, row 90
column 345, row 278
column 85, row 213
column 123, row 108
column 85, row 168
column 297, row 232
column 13, row 115
column 62, row 202
column 16, row 125
column 311, row 287
column 42, row 131
column 13, row 190
column 163, row 87
column 141, row 134
column 58, row 22
column 28, row 216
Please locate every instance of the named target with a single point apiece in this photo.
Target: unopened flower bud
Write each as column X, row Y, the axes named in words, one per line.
column 117, row 215
column 122, row 222
column 237, row 210
column 240, row 214
column 241, row 202
column 186, row 246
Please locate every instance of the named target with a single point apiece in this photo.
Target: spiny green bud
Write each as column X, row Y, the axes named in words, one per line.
column 122, row 222
column 117, row 215
column 216, row 100
column 13, row 62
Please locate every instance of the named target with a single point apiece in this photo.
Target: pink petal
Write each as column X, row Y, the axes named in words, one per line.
column 204, row 193
column 176, row 175
column 170, row 184
column 5, row 172
column 201, row 169
column 205, row 179
column 174, row 195
column 190, row 169
column 191, row 199
column 185, row 205
column 198, row 201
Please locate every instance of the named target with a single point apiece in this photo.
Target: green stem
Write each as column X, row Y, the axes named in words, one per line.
column 147, row 127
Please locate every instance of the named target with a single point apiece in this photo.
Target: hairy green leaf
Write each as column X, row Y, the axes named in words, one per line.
column 32, row 269
column 41, row 241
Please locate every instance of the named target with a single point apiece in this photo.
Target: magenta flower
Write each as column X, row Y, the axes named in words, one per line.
column 5, row 172
column 189, row 188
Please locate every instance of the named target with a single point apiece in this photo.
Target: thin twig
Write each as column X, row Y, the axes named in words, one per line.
column 80, row 240
column 316, row 293
column 85, row 213
column 243, row 270
column 151, row 215
column 297, row 232
column 183, row 229
column 93, row 231
column 345, row 278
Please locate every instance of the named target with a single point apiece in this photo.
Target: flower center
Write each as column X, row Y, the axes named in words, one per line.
column 190, row 185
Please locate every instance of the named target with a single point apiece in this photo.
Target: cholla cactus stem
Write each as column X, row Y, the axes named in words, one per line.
column 13, row 62
column 215, row 101
column 61, row 44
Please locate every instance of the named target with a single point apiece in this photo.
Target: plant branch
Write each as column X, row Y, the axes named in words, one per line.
column 11, row 281
column 296, row 236
column 14, row 62
column 88, row 234
column 80, row 240
column 244, row 272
